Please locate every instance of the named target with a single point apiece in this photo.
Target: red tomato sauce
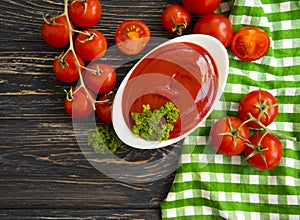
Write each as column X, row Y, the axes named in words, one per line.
column 183, row 73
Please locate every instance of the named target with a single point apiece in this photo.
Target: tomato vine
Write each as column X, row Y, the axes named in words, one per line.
column 71, row 48
column 230, row 135
column 59, row 32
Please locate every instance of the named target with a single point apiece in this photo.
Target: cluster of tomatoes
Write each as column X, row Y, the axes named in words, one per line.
column 232, row 135
column 248, row 43
column 82, row 59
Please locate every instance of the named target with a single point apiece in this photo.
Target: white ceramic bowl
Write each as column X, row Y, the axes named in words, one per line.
column 220, row 57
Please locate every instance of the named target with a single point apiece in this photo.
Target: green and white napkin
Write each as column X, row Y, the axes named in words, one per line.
column 212, row 186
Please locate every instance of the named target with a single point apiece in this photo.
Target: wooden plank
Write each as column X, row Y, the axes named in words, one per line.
column 112, row 214
column 71, row 193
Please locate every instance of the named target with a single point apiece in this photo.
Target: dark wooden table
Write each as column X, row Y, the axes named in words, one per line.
column 44, row 172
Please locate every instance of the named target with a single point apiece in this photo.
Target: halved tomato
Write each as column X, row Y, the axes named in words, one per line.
column 250, row 43
column 132, row 36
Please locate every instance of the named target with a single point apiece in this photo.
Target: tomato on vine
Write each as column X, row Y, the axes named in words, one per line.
column 90, row 44
column 262, row 106
column 264, row 151
column 175, row 19
column 216, row 25
column 78, row 103
column 229, row 136
column 100, row 78
column 104, row 107
column 85, row 13
column 132, row 36
column 250, row 43
column 65, row 67
column 201, row 7
column 55, row 31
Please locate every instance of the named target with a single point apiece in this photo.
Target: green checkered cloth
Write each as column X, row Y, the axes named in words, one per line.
column 212, row 186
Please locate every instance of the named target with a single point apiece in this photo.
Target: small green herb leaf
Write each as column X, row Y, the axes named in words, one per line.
column 156, row 125
column 104, row 140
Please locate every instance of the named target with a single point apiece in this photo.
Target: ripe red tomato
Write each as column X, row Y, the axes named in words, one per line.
column 77, row 103
column 215, row 25
column 132, row 36
column 65, row 67
column 175, row 19
column 261, row 104
column 102, row 79
column 226, row 139
column 55, row 31
column 250, row 43
column 86, row 13
column 201, row 7
column 104, row 109
column 90, row 44
column 265, row 151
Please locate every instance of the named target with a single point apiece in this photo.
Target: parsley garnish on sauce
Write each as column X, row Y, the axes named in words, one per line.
column 155, row 125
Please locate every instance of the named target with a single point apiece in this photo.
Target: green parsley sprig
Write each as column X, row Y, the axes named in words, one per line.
column 155, row 125
column 104, row 140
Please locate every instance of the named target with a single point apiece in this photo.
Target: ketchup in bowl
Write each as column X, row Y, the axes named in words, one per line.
column 183, row 73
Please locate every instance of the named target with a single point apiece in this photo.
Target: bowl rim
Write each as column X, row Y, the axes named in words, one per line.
column 218, row 52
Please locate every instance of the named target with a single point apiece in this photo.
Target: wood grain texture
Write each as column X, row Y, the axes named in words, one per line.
column 44, row 171
column 110, row 214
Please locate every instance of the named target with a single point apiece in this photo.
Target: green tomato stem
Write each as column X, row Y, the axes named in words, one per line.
column 71, row 48
column 278, row 134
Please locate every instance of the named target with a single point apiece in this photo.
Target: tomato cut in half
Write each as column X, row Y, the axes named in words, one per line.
column 250, row 43
column 132, row 36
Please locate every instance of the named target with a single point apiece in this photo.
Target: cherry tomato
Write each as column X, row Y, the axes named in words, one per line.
column 85, row 13
column 90, row 44
column 175, row 19
column 101, row 79
column 250, row 43
column 215, row 25
column 104, row 109
column 226, row 139
column 201, row 7
column 132, row 36
column 55, row 31
column 261, row 104
column 265, row 151
column 77, row 103
column 65, row 68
